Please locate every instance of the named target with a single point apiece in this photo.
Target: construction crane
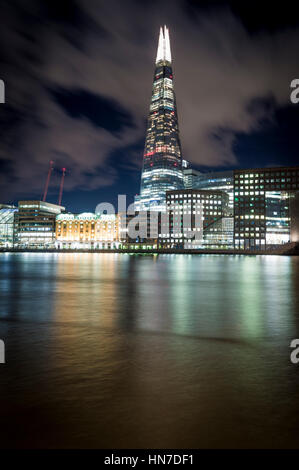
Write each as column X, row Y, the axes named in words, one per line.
column 61, row 186
column 48, row 180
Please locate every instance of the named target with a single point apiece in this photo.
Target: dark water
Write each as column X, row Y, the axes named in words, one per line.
column 117, row 350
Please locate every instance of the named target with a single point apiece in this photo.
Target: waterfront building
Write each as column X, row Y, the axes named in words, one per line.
column 35, row 224
column 7, row 214
column 217, row 180
column 220, row 234
column 265, row 207
column 87, row 230
column 162, row 159
column 140, row 229
column 196, row 219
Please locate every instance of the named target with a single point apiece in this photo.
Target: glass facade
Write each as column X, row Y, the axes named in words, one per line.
column 218, row 180
column 196, row 220
column 162, row 159
column 190, row 177
column 262, row 216
column 7, row 226
column 35, row 224
column 140, row 229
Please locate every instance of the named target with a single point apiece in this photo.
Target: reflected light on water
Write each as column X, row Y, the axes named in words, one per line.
column 118, row 350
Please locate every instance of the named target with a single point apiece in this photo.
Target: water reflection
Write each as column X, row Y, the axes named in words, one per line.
column 228, row 296
column 116, row 350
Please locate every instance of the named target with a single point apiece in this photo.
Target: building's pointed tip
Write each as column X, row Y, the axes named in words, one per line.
column 163, row 52
column 160, row 46
column 167, row 45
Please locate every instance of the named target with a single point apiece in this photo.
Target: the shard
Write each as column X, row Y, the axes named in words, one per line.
column 162, row 159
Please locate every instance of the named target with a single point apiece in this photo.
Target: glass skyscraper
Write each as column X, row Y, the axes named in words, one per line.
column 162, row 159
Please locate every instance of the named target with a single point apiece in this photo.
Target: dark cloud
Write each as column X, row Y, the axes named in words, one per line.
column 100, row 111
column 79, row 74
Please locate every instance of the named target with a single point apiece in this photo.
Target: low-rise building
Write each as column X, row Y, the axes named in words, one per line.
column 7, row 215
column 35, row 224
column 140, row 229
column 87, row 230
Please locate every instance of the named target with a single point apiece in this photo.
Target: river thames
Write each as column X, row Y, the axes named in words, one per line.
column 148, row 351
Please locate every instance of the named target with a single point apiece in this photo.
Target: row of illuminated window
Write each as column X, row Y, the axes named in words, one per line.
column 189, row 204
column 249, row 216
column 82, row 224
column 207, row 212
column 249, row 193
column 262, row 242
column 64, row 230
column 266, row 180
column 251, row 229
column 81, row 230
column 34, row 228
column 32, row 234
column 193, row 196
column 267, row 174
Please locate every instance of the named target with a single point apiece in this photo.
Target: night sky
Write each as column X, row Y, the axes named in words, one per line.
column 78, row 77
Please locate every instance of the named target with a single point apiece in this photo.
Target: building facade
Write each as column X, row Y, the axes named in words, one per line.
column 7, row 232
column 195, row 220
column 217, row 180
column 35, row 224
column 265, row 207
column 162, row 159
column 87, row 230
column 140, row 229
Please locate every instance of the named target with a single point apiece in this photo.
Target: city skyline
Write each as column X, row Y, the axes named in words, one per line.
column 255, row 128
column 149, row 228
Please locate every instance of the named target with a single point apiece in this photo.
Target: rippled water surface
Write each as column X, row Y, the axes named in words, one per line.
column 118, row 350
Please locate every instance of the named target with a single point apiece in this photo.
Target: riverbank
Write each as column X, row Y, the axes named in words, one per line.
column 288, row 250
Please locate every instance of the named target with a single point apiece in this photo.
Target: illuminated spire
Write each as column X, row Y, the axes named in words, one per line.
column 164, row 52
column 160, row 52
column 167, row 45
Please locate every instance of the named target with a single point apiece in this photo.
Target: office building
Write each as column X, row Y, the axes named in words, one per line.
column 35, row 224
column 195, row 220
column 140, row 229
column 265, row 207
column 7, row 214
column 162, row 159
column 217, row 180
